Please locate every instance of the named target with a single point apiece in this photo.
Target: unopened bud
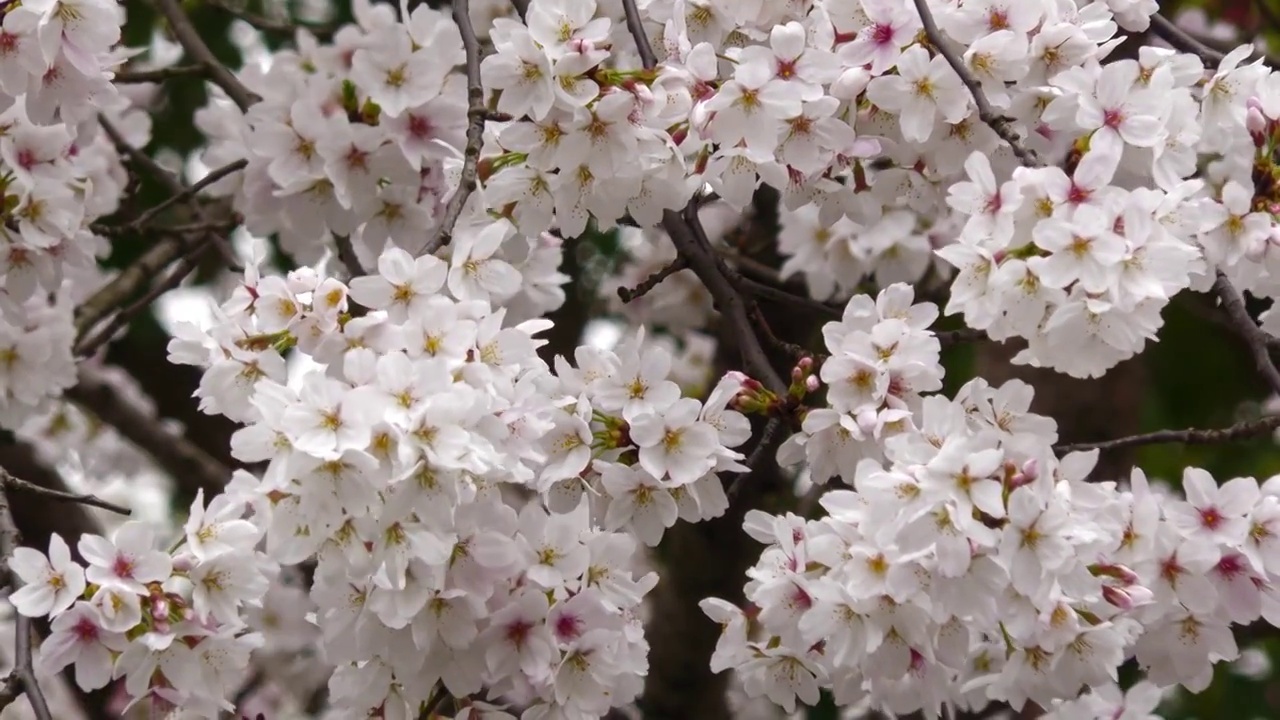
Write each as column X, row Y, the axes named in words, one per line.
column 1119, row 572
column 811, row 383
column 1117, row 597
column 1031, row 469
column 1256, row 123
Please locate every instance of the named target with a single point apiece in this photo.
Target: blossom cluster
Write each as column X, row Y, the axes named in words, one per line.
column 59, row 172
column 435, row 474
column 169, row 623
column 969, row 563
column 443, row 479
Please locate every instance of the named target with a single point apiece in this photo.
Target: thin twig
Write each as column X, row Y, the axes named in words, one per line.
column 768, row 441
column 212, row 177
column 1190, row 436
column 476, row 113
column 1180, row 40
column 157, row 75
column 14, row 483
column 703, row 261
column 174, row 185
column 23, row 667
column 655, row 279
column 130, row 280
column 347, row 256
column 1257, row 339
column 88, row 345
column 769, row 292
column 271, row 25
column 189, row 38
column 956, row 337
column 986, row 113
column 636, row 26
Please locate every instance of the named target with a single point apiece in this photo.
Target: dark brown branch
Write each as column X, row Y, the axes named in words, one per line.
column 522, row 7
column 1189, row 436
column 997, row 122
column 172, row 183
column 119, row 321
column 157, row 75
column 636, row 26
column 476, row 114
column 130, row 280
column 654, row 280
column 347, row 256
column 713, row 273
column 802, row 302
column 1180, row 40
column 956, row 337
column 1258, row 339
column 14, row 483
column 189, row 38
column 23, row 670
column 38, row 518
column 186, row 193
column 271, row 25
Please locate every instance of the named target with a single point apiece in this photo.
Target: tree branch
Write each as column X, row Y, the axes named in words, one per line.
column 655, row 279
column 1258, row 340
column 997, row 122
column 636, row 26
column 1190, row 436
column 23, row 674
column 347, row 256
column 710, row 269
column 189, row 38
column 186, row 264
column 1180, row 40
column 182, row 193
column 157, row 75
column 271, row 25
column 10, row 482
column 130, row 280
column 476, row 114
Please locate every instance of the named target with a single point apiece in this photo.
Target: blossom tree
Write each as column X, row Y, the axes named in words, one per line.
column 567, row 359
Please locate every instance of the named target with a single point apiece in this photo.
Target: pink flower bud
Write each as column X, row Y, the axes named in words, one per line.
column 1031, row 469
column 1117, row 597
column 1256, row 123
column 812, row 383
